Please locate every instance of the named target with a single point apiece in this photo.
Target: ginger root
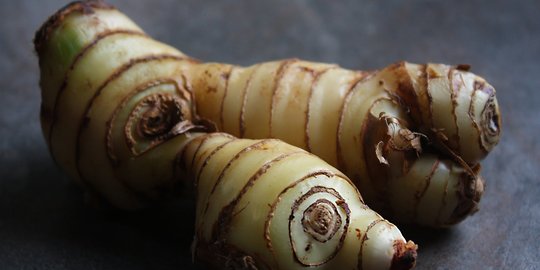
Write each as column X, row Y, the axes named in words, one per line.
column 118, row 116
column 409, row 136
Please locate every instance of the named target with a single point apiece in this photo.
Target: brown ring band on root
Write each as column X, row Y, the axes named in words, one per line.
column 340, row 202
column 332, row 219
column 84, row 51
column 357, row 80
column 209, row 157
column 284, row 65
column 490, row 124
column 321, row 220
column 364, row 239
column 241, row 118
column 180, row 159
column 222, row 225
column 256, row 145
column 227, row 76
column 454, row 92
column 315, row 82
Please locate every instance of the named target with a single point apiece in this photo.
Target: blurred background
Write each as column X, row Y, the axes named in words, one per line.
column 44, row 223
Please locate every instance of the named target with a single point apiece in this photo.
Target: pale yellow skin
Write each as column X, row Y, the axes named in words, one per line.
column 118, row 116
column 258, row 182
column 322, row 108
column 82, row 85
column 332, row 112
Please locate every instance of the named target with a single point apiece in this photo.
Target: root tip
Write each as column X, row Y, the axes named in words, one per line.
column 404, row 255
column 53, row 22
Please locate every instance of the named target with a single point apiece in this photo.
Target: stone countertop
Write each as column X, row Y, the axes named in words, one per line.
column 44, row 223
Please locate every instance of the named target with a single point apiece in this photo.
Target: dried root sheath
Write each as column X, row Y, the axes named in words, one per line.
column 408, row 131
column 457, row 108
column 420, row 187
column 295, row 209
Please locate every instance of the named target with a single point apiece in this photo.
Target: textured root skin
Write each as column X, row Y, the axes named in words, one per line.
column 220, row 239
column 414, row 91
column 220, row 253
column 155, row 144
column 471, row 185
column 111, row 185
column 405, row 93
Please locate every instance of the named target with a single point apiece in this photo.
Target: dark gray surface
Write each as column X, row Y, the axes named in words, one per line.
column 44, row 223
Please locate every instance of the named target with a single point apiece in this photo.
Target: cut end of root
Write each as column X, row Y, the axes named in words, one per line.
column 85, row 6
column 490, row 122
column 470, row 192
column 404, row 255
